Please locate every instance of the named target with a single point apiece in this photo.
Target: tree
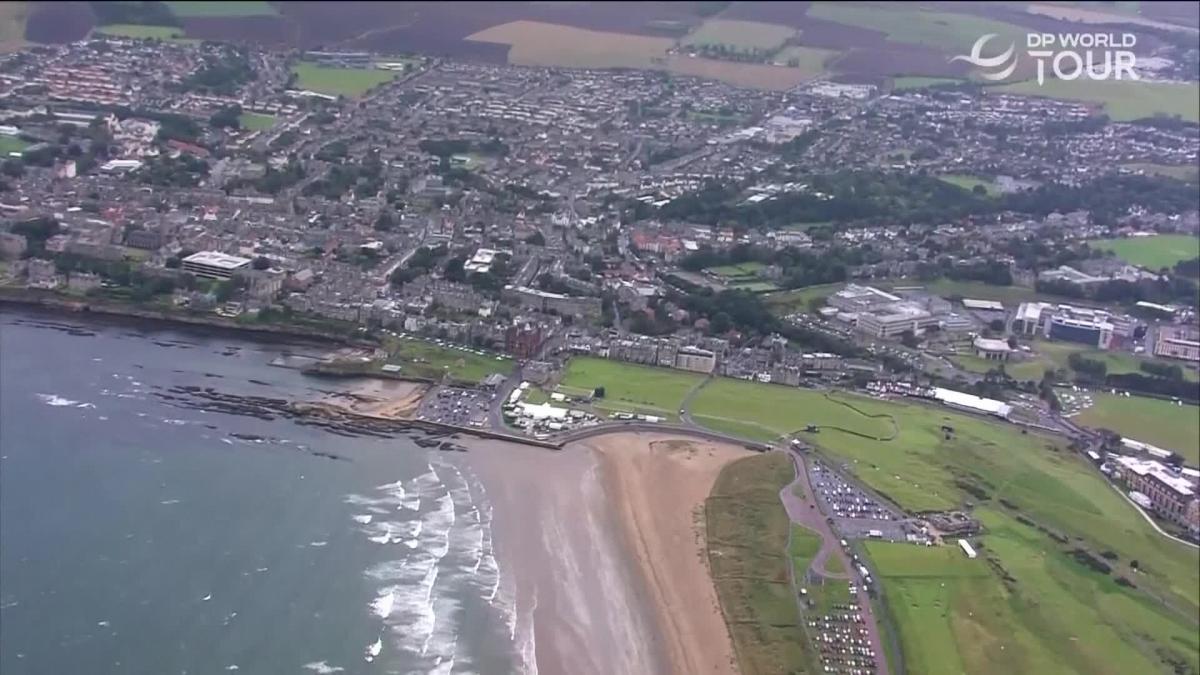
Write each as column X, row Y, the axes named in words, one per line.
column 536, row 239
column 261, row 263
column 227, row 118
column 598, row 392
column 909, row 339
column 172, row 263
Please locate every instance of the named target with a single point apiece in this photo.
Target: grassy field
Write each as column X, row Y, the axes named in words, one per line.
column 129, row 30
column 1059, row 353
column 200, row 8
column 1031, row 369
column 1163, row 250
column 255, row 121
column 797, row 300
column 629, row 387
column 904, row 83
column 1122, row 100
column 1023, row 606
column 747, row 538
column 1150, row 420
column 919, row 25
column 738, row 270
column 766, row 412
column 739, row 35
column 925, row 468
column 421, row 358
column 802, row 549
column 808, row 59
column 10, row 144
column 968, row 183
column 349, row 82
column 1187, row 174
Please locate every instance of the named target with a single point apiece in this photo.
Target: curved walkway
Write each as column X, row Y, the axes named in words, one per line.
column 1150, row 520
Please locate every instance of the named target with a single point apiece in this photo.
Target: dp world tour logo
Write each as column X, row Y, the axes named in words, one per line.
column 1105, row 56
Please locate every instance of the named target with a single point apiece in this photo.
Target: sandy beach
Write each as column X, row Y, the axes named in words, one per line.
column 397, row 399
column 658, row 485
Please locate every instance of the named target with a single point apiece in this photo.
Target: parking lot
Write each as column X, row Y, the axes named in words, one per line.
column 460, row 407
column 841, row 499
column 841, row 638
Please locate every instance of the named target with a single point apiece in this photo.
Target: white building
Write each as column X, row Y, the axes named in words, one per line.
column 894, row 319
column 214, row 265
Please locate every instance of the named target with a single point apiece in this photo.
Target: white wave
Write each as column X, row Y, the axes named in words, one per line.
column 167, row 502
column 528, row 645
column 102, row 418
column 177, row 423
column 207, row 597
column 318, row 544
column 373, row 650
column 262, row 569
column 231, row 667
column 86, row 405
column 56, row 401
column 226, row 441
column 385, row 603
column 323, row 668
column 363, row 519
column 385, row 537
column 102, row 624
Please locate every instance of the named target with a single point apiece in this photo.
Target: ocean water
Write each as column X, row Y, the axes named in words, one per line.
column 141, row 536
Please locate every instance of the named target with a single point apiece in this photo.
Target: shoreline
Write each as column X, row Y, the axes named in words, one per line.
column 51, row 302
column 657, row 485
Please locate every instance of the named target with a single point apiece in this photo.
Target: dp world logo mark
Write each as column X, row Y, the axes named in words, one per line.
column 1106, row 56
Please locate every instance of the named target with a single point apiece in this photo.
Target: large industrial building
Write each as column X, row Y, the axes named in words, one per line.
column 1172, row 496
column 214, row 265
column 893, row 319
column 1178, row 342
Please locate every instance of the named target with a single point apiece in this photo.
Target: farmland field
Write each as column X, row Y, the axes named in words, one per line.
column 12, row 25
column 740, row 35
column 10, row 144
column 1185, row 173
column 136, row 31
column 750, row 75
column 535, row 43
column 1030, row 369
column 1163, row 250
column 740, row 269
column 808, row 59
column 629, row 387
column 350, row 82
column 1121, row 100
column 1153, row 421
column 747, row 537
column 255, row 121
column 200, row 8
column 946, row 30
column 421, row 358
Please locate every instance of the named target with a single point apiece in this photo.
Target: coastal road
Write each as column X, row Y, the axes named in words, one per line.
column 805, row 511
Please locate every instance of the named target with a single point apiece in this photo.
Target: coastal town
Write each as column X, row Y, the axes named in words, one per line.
column 920, row 303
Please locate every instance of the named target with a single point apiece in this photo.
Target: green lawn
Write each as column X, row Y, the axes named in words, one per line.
column 802, row 549
column 136, row 31
column 809, row 59
column 980, row 461
column 350, row 82
column 1185, row 173
column 797, row 300
column 747, row 539
column 767, row 411
column 1122, row 100
column 754, row 286
column 629, row 387
column 739, row 270
column 1155, row 252
column 255, row 121
column 968, row 183
column 421, row 358
column 10, row 144
column 1150, row 420
column 903, row 83
column 1030, row 369
column 200, row 8
column 1058, row 354
column 1024, row 606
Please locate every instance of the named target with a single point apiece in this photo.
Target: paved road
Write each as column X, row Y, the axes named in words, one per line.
column 804, row 511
